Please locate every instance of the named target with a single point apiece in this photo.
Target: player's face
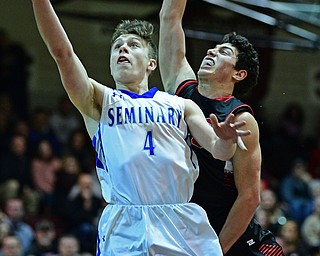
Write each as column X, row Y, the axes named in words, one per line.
column 129, row 59
column 219, row 62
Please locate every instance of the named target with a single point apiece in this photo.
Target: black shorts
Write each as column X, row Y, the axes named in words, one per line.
column 256, row 242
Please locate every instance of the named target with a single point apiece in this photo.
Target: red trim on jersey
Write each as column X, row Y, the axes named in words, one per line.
column 224, row 98
column 243, row 105
column 185, row 84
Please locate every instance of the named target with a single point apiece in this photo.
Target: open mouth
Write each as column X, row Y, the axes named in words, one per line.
column 209, row 62
column 123, row 60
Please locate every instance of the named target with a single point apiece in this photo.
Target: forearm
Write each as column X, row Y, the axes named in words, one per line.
column 236, row 223
column 51, row 29
column 172, row 50
column 246, row 171
column 172, row 9
column 86, row 97
column 222, row 149
column 204, row 134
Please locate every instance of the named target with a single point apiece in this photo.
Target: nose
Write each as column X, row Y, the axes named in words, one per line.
column 123, row 48
column 211, row 52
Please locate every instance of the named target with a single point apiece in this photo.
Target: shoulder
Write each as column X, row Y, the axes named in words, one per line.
column 247, row 117
column 186, row 88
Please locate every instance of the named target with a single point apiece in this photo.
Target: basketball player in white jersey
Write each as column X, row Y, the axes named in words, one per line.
column 144, row 163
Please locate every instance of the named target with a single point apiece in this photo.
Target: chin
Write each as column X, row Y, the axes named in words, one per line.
column 203, row 72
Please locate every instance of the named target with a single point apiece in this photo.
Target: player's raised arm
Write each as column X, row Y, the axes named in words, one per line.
column 174, row 67
column 223, row 141
column 74, row 77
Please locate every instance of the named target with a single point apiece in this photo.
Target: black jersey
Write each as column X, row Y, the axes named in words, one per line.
column 214, row 189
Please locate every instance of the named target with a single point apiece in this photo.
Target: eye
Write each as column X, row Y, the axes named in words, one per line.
column 135, row 44
column 224, row 52
column 117, row 46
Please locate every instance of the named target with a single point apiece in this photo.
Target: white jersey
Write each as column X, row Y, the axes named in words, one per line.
column 147, row 173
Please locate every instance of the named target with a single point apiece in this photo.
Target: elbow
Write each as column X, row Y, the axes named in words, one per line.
column 168, row 15
column 253, row 200
column 61, row 53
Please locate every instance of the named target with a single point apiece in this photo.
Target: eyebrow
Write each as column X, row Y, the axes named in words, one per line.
column 133, row 37
column 219, row 47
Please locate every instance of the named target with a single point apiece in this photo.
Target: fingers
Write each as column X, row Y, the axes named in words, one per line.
column 229, row 129
column 241, row 144
column 243, row 133
column 230, row 119
column 214, row 120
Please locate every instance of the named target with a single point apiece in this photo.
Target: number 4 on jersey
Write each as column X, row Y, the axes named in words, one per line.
column 148, row 143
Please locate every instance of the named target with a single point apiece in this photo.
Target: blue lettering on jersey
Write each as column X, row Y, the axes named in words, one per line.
column 119, row 115
column 122, row 115
column 129, row 116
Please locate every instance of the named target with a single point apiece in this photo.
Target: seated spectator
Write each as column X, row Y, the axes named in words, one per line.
column 44, row 243
column 290, row 240
column 68, row 245
column 11, row 246
column 310, row 229
column 314, row 186
column 64, row 120
column 66, row 179
column 83, row 211
column 44, row 167
column 80, row 146
column 4, row 227
column 269, row 203
column 14, row 209
column 40, row 130
column 15, row 169
column 295, row 192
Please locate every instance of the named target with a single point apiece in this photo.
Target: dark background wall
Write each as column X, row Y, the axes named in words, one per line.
column 286, row 75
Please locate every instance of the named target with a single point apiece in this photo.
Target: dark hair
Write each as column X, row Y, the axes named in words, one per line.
column 142, row 28
column 247, row 59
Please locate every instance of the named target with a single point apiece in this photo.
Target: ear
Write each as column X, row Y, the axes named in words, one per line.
column 239, row 75
column 152, row 65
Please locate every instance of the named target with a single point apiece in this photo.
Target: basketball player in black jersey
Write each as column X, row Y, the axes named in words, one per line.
column 228, row 190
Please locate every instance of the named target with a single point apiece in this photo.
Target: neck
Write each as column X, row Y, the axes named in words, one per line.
column 211, row 90
column 136, row 88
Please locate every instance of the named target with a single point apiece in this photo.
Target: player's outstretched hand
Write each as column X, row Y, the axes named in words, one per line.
column 228, row 130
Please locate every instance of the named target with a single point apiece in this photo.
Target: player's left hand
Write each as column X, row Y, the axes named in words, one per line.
column 228, row 130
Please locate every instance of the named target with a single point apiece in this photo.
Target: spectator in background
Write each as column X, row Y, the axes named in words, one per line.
column 295, row 192
column 290, row 240
column 270, row 205
column 289, row 138
column 40, row 130
column 4, row 227
column 314, row 186
column 15, row 169
column 11, row 246
column 310, row 229
column 80, row 146
column 68, row 245
column 44, row 243
column 14, row 209
column 83, row 212
column 64, row 120
column 66, row 179
column 14, row 64
column 21, row 127
column 44, row 167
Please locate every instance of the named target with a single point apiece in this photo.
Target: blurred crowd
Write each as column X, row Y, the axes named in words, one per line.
column 50, row 199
